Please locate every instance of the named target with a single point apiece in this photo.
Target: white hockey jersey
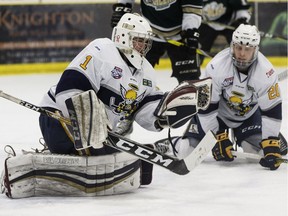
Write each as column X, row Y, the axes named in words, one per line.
column 125, row 91
column 236, row 96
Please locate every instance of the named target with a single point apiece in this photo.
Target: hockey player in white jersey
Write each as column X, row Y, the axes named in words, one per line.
column 246, row 98
column 107, row 86
column 119, row 74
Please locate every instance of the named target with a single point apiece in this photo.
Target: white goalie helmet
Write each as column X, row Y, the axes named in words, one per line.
column 249, row 36
column 132, row 36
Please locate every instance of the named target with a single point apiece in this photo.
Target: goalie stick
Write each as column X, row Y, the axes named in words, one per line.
column 180, row 167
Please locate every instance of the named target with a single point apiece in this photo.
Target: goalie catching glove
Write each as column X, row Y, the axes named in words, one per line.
column 179, row 105
column 88, row 120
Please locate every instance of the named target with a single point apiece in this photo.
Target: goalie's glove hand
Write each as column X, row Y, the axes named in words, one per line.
column 271, row 149
column 239, row 21
column 179, row 105
column 118, row 11
column 190, row 38
column 222, row 150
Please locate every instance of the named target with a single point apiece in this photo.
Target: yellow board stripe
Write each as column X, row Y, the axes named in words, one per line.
column 58, row 67
column 17, row 69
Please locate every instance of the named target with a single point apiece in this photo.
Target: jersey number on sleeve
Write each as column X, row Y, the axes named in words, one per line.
column 84, row 64
column 273, row 92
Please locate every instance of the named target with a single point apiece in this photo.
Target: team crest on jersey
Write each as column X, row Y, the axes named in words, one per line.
column 130, row 102
column 159, row 4
column 116, row 72
column 228, row 81
column 237, row 104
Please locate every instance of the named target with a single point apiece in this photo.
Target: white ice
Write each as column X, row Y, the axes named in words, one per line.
column 214, row 188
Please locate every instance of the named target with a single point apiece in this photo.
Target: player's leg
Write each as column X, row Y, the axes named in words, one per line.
column 182, row 146
column 156, row 52
column 206, row 39
column 55, row 136
column 249, row 134
column 185, row 65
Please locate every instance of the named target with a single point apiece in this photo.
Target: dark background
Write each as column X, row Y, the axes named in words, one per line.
column 56, row 33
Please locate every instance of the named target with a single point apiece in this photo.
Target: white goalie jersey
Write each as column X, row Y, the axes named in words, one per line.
column 236, row 96
column 125, row 91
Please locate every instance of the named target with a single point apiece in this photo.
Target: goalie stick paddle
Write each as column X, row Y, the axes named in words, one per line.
column 181, row 167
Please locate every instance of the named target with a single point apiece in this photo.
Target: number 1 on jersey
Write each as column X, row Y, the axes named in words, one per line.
column 84, row 64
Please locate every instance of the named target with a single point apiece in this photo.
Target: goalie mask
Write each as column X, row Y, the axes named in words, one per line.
column 244, row 46
column 132, row 36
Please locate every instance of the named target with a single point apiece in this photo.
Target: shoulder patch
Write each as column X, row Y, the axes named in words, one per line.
column 116, row 72
column 147, row 82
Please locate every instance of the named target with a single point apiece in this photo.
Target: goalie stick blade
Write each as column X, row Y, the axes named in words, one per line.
column 201, row 151
column 180, row 167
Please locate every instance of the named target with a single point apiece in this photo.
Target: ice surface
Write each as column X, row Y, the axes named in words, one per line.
column 214, row 188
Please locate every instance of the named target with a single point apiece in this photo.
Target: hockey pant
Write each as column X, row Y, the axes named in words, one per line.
column 248, row 135
column 208, row 36
column 185, row 66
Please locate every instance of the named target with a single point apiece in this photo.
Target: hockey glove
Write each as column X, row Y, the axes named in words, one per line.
column 271, row 149
column 179, row 105
column 239, row 21
column 118, row 11
column 222, row 150
column 190, row 38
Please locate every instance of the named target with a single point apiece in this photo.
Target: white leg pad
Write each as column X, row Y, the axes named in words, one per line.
column 34, row 174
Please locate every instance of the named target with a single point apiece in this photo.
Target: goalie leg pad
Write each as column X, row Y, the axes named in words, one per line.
column 35, row 174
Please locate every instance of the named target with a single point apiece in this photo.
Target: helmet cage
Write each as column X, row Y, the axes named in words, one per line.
column 140, row 42
column 248, row 36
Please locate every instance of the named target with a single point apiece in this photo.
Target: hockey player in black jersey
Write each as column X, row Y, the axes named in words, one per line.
column 217, row 16
column 170, row 20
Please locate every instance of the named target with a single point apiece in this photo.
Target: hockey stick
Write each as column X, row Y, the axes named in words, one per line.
column 181, row 167
column 262, row 34
column 257, row 157
column 199, row 51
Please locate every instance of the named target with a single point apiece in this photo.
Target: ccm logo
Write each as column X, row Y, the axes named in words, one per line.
column 184, row 62
column 144, row 153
